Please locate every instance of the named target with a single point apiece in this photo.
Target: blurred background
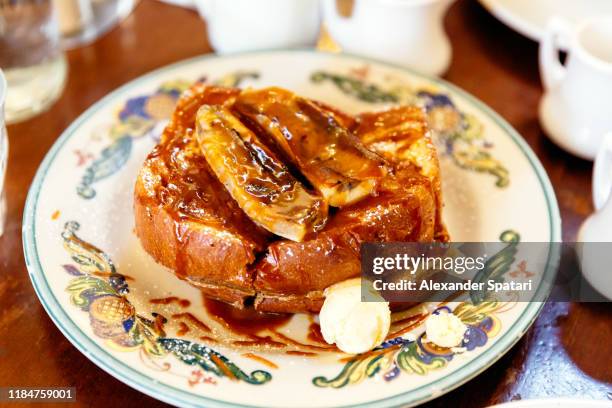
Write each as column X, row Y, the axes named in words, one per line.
column 58, row 57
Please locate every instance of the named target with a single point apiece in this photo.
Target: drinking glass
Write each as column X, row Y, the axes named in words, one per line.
column 82, row 21
column 3, row 152
column 30, row 56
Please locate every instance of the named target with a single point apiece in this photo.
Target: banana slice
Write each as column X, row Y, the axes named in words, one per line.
column 333, row 160
column 260, row 183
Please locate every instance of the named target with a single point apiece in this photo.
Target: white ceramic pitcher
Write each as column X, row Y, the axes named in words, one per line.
column 576, row 111
column 594, row 260
column 405, row 32
column 241, row 25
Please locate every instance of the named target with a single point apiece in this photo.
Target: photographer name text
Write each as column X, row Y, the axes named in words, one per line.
column 431, row 285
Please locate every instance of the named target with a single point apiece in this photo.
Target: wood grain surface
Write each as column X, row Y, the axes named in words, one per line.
column 568, row 351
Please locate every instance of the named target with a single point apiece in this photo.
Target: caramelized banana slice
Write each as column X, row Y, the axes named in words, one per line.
column 328, row 155
column 260, row 183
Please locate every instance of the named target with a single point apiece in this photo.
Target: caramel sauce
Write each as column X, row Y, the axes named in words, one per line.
column 314, row 333
column 326, row 153
column 291, row 342
column 251, row 324
column 246, row 321
column 171, row 299
column 406, row 325
column 301, row 353
column 158, row 323
column 182, row 183
column 255, row 177
column 193, row 320
column 261, row 341
column 188, row 190
column 392, row 132
column 183, row 329
column 260, row 359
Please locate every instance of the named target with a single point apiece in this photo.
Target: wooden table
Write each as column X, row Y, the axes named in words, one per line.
column 568, row 352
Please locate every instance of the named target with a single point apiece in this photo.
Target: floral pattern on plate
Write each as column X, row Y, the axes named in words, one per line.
column 417, row 356
column 100, row 291
column 457, row 134
column 141, row 116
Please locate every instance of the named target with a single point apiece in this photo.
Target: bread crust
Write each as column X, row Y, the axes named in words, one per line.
column 186, row 220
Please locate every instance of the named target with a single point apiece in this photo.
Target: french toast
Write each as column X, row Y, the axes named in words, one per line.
column 192, row 219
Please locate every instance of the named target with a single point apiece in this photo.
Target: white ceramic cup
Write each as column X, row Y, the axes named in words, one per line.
column 3, row 152
column 576, row 111
column 242, row 25
column 595, row 261
column 405, row 32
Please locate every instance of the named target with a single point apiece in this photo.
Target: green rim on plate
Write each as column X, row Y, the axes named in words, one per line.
column 176, row 396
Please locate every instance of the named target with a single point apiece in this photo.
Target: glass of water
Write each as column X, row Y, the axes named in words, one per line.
column 30, row 56
column 3, row 152
column 82, row 21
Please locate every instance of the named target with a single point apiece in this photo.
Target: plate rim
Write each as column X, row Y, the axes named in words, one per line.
column 532, row 31
column 563, row 402
column 173, row 395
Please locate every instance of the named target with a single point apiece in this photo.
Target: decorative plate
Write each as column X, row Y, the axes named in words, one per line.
column 530, row 17
column 142, row 325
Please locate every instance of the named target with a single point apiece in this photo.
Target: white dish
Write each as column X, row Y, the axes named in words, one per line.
column 494, row 188
column 573, row 110
column 555, row 403
column 529, row 17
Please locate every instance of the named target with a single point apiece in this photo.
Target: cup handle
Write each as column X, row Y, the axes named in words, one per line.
column 551, row 69
column 602, row 173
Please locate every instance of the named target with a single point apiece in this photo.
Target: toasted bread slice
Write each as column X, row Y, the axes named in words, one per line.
column 401, row 135
column 187, row 220
column 291, row 270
